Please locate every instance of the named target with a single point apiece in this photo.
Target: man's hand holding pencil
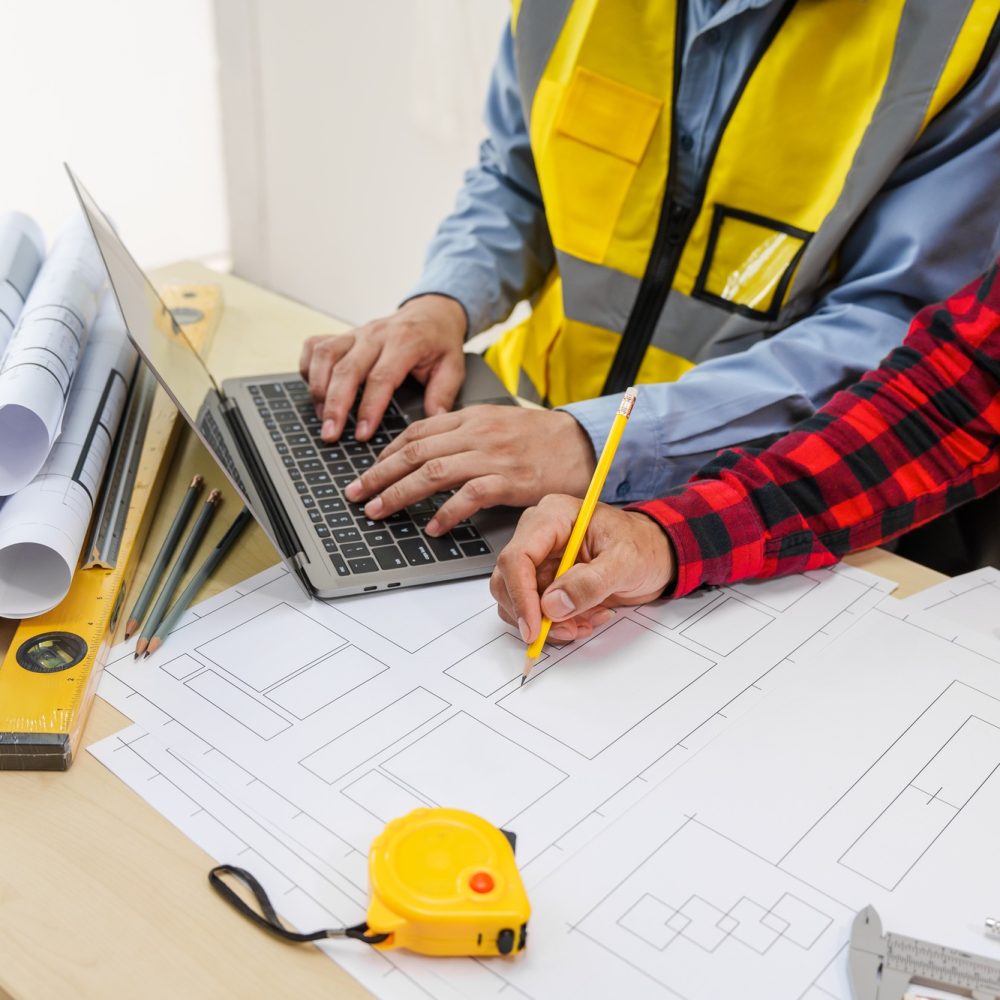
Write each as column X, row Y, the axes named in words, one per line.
column 537, row 580
column 625, row 559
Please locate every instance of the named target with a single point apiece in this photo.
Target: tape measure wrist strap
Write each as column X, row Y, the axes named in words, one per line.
column 268, row 919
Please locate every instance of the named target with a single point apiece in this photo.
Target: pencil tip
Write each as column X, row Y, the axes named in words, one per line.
column 524, row 677
column 146, row 656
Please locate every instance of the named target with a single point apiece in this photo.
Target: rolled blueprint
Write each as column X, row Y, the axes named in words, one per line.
column 21, row 251
column 44, row 349
column 44, row 525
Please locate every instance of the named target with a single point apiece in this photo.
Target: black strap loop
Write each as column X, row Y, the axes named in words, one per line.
column 268, row 918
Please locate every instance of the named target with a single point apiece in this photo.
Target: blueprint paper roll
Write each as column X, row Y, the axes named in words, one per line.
column 22, row 248
column 43, row 353
column 44, row 525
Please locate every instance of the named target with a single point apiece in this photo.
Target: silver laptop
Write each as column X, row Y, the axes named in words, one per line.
column 264, row 434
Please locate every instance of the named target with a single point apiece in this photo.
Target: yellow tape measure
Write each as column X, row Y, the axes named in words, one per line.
column 49, row 676
column 443, row 882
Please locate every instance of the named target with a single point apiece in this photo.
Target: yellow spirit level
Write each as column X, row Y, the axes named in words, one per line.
column 49, row 675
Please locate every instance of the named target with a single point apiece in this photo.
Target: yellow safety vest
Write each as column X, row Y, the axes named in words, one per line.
column 645, row 285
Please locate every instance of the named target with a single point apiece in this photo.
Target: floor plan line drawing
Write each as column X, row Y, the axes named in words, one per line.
column 895, row 834
column 937, row 605
column 559, row 761
column 288, row 651
column 747, row 797
column 748, row 622
column 888, row 749
column 560, row 822
column 489, row 673
column 704, row 891
column 495, row 771
column 432, row 707
column 201, row 750
column 691, row 821
column 181, row 667
column 390, row 806
column 240, row 707
column 971, row 600
column 567, row 685
column 814, row 989
column 713, row 918
column 299, row 695
column 686, row 739
column 674, row 614
column 355, row 608
column 778, row 595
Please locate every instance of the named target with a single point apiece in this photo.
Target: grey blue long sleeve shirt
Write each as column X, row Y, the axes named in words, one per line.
column 926, row 233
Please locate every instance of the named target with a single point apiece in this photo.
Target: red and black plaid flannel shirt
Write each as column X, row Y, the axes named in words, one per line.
column 913, row 439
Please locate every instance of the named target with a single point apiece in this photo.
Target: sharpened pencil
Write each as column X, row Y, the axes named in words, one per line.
column 180, row 567
column 206, row 569
column 163, row 557
column 587, row 509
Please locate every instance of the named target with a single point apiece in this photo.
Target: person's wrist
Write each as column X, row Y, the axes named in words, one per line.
column 662, row 559
column 448, row 314
column 574, row 442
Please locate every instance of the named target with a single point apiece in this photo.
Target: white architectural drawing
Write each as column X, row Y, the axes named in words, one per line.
column 307, row 698
column 971, row 601
column 574, row 755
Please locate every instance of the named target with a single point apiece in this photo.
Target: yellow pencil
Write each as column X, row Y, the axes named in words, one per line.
column 583, row 518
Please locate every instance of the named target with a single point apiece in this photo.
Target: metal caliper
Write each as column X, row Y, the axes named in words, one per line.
column 882, row 966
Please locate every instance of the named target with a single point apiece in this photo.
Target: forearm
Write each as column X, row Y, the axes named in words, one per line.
column 741, row 400
column 913, row 439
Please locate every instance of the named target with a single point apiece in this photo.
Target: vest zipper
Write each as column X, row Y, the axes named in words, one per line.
column 671, row 234
column 675, row 222
column 665, row 253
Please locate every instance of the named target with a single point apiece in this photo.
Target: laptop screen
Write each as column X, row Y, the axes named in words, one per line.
column 162, row 343
column 150, row 323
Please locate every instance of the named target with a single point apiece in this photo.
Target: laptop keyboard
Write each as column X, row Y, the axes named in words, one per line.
column 319, row 471
column 218, row 445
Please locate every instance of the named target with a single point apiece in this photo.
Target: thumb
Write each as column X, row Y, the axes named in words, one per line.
column 444, row 382
column 582, row 587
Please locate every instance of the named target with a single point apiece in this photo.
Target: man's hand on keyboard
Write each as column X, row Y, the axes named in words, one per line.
column 423, row 338
column 490, row 454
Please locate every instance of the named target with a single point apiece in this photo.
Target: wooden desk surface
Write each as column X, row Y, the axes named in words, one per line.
column 100, row 895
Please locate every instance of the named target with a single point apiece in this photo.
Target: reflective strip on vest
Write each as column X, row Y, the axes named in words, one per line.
column 779, row 196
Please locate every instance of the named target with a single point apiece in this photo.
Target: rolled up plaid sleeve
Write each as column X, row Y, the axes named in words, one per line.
column 916, row 437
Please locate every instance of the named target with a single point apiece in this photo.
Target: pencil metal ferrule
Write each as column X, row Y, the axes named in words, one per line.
column 628, row 401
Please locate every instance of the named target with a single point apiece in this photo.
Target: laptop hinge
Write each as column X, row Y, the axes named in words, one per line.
column 274, row 509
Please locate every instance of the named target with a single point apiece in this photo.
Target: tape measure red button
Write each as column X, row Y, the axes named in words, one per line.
column 481, row 882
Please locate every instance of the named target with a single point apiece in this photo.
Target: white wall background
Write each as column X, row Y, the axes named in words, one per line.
column 347, row 128
column 344, row 128
column 125, row 92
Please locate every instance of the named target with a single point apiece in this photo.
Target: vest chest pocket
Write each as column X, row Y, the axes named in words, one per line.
column 749, row 262
column 601, row 132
